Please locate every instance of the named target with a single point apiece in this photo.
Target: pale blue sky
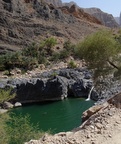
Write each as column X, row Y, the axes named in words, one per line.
column 109, row 6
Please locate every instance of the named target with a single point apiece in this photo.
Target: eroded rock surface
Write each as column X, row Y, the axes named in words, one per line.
column 52, row 85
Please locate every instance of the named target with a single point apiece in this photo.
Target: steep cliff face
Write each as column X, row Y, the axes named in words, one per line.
column 107, row 19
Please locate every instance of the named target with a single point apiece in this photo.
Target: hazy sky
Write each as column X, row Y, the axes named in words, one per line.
column 109, row 6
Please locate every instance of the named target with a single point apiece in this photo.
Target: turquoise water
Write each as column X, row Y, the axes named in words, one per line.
column 56, row 116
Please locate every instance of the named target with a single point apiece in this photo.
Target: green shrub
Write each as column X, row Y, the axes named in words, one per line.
column 6, row 72
column 55, row 56
column 42, row 59
column 2, row 62
column 4, row 138
column 72, row 64
column 31, row 51
column 48, row 44
column 64, row 54
column 20, row 130
column 29, row 63
column 35, row 54
column 5, row 62
column 17, row 129
column 69, row 47
column 53, row 75
column 6, row 94
column 10, row 60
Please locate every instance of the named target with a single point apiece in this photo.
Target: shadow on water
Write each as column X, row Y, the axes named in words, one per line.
column 56, row 116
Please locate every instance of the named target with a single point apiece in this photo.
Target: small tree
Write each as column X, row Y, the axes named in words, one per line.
column 100, row 51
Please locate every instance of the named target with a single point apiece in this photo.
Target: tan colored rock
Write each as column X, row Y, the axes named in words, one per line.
column 98, row 125
column 88, row 113
column 4, row 76
column 42, row 66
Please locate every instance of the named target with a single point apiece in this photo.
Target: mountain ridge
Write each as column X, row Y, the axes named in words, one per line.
column 107, row 19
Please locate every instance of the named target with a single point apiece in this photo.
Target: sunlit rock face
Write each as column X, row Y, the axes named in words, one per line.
column 107, row 19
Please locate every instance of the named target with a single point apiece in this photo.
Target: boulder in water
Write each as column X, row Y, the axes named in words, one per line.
column 17, row 104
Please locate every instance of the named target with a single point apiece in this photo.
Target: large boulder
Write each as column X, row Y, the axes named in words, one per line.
column 17, row 104
column 37, row 90
column 31, row 91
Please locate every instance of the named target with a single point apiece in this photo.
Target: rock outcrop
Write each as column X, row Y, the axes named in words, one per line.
column 107, row 19
column 52, row 86
column 79, row 13
column 58, row 84
column 37, row 90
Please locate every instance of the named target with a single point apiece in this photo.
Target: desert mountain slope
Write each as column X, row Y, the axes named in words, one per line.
column 25, row 21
